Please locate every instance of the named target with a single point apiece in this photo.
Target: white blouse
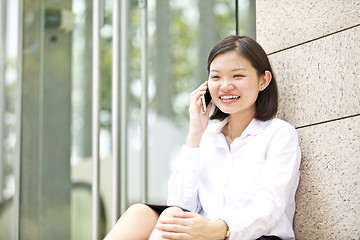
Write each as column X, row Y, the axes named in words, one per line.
column 251, row 187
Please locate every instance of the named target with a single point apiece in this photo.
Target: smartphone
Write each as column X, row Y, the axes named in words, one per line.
column 205, row 99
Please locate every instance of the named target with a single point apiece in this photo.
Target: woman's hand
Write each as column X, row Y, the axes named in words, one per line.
column 191, row 226
column 198, row 119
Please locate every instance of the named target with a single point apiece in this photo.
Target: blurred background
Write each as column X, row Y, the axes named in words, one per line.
column 46, row 98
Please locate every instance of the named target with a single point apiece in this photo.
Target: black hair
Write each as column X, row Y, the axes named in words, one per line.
column 267, row 101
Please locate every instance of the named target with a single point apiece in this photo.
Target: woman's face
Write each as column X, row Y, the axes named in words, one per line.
column 234, row 84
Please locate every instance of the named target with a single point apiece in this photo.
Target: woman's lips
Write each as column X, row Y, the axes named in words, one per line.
column 229, row 98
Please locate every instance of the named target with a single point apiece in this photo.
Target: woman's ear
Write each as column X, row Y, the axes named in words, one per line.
column 265, row 80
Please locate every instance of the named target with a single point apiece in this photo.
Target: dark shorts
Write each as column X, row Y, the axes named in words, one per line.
column 160, row 208
column 269, row 238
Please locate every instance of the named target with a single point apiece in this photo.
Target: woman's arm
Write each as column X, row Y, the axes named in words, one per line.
column 275, row 188
column 183, row 183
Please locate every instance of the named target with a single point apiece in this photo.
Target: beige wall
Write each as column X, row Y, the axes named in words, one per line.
column 314, row 47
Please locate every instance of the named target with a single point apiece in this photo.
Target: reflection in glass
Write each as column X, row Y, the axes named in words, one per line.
column 181, row 34
column 8, row 118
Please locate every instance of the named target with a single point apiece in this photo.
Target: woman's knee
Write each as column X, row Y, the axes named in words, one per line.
column 169, row 212
column 139, row 209
column 140, row 214
column 137, row 216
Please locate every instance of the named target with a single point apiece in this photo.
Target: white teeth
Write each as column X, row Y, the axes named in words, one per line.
column 229, row 97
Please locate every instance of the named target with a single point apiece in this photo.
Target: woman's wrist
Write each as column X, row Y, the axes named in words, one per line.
column 220, row 229
column 193, row 140
column 192, row 143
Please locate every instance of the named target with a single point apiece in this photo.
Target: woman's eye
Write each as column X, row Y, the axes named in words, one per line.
column 215, row 77
column 238, row 76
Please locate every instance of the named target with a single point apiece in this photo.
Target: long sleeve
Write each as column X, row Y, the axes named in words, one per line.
column 183, row 183
column 274, row 191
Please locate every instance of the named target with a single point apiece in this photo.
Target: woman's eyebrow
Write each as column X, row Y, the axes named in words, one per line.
column 238, row 69
column 233, row 70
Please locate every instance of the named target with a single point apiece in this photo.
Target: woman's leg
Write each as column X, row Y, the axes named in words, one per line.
column 169, row 212
column 136, row 223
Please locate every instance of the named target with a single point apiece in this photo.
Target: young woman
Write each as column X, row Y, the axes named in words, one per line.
column 237, row 178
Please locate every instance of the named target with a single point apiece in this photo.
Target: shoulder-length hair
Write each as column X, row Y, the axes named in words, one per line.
column 267, row 101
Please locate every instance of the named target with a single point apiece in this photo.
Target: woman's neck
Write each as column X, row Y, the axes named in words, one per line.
column 238, row 123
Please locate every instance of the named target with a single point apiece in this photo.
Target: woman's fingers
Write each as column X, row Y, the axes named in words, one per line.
column 184, row 215
column 175, row 236
column 166, row 227
column 199, row 102
column 195, row 100
column 201, row 90
column 171, row 230
column 184, row 225
column 196, row 95
column 198, row 119
column 174, row 228
column 208, row 109
column 175, row 220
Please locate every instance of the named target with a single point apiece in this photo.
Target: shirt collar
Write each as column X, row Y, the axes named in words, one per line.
column 255, row 127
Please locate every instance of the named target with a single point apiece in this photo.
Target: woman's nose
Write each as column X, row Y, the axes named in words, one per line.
column 226, row 85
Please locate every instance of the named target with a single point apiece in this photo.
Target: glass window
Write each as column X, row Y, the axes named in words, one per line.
column 56, row 99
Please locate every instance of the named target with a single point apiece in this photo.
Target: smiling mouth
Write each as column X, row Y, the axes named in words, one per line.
column 229, row 97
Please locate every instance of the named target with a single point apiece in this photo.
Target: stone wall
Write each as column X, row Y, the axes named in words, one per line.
column 314, row 48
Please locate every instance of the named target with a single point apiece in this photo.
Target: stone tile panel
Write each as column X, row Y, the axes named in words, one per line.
column 328, row 205
column 320, row 80
column 284, row 23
